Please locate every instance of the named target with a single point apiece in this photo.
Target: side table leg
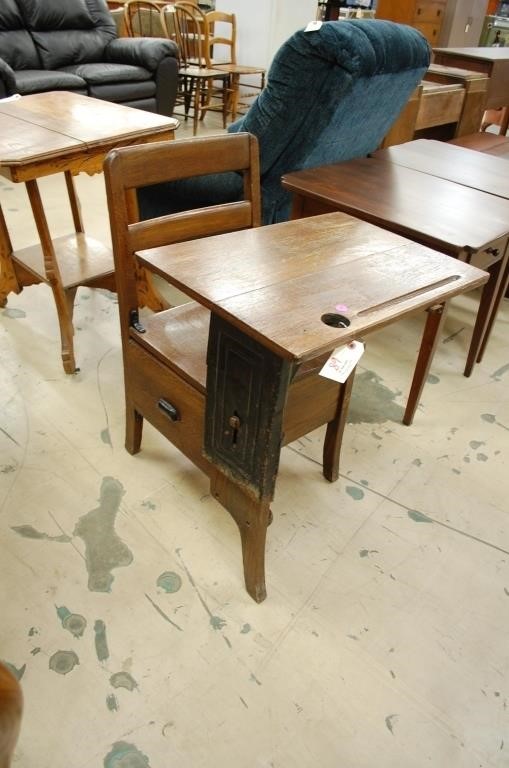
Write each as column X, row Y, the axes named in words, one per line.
column 8, row 280
column 64, row 299
column 502, row 291
column 434, row 322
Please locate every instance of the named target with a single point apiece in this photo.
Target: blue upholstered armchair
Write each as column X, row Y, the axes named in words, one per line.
column 332, row 95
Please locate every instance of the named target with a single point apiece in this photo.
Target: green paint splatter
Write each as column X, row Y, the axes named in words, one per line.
column 106, row 437
column 481, row 457
column 111, row 702
column 216, row 622
column 6, row 469
column 169, row 581
column 18, row 673
column 35, row 651
column 101, row 644
column 124, row 755
column 29, row 532
column 72, row 622
column 475, row 444
column 417, row 463
column 104, row 550
column 372, row 402
column 148, row 504
column 63, row 662
column 418, row 517
column 364, row 482
column 123, row 680
column 498, row 373
column 13, row 312
column 432, row 379
column 245, row 629
column 389, row 722
column 356, row 493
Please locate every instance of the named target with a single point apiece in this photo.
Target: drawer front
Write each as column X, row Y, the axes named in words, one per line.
column 490, row 255
column 430, row 30
column 152, row 387
column 433, row 12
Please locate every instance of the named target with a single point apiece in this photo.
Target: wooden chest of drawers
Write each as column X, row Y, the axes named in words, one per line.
column 425, row 15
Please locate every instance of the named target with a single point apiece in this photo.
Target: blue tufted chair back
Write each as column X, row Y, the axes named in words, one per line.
column 332, row 94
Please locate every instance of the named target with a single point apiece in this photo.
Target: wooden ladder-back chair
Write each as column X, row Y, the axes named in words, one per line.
column 142, row 18
column 222, row 28
column 197, row 77
column 165, row 354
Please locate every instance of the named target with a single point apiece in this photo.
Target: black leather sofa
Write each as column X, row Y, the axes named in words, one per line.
column 72, row 45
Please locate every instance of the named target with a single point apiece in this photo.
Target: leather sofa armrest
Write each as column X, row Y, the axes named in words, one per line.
column 145, row 52
column 7, row 80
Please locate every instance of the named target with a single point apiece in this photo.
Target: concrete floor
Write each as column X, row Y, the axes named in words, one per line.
column 384, row 638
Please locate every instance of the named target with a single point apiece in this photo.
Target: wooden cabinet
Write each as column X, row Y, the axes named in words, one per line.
column 425, row 15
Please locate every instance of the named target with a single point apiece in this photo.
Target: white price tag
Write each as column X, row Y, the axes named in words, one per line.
column 342, row 361
column 313, row 26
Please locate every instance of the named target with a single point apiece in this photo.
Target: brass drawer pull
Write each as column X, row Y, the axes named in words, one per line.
column 168, row 409
column 493, row 251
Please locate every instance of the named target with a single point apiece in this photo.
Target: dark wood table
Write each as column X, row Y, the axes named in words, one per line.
column 493, row 62
column 61, row 132
column 464, row 166
column 433, row 211
column 290, row 293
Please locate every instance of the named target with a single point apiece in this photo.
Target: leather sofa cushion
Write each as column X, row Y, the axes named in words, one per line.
column 123, row 92
column 18, row 50
column 57, row 14
column 34, row 81
column 108, row 73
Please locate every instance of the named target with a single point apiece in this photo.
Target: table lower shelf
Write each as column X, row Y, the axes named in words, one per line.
column 81, row 260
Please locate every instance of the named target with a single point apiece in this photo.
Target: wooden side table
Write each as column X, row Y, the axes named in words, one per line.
column 50, row 133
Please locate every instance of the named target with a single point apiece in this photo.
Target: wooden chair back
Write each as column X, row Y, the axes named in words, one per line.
column 142, row 18
column 129, row 168
column 222, row 31
column 191, row 34
column 11, row 707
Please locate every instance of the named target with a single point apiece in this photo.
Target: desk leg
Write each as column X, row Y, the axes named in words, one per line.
column 247, row 386
column 490, row 299
column 502, row 291
column 8, row 280
column 64, row 299
column 434, row 322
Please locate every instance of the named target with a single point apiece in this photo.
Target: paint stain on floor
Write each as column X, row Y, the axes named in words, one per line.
column 72, row 622
column 63, row 662
column 104, row 549
column 372, row 402
column 101, row 644
column 29, row 532
column 14, row 313
column 355, row 493
column 123, row 680
column 169, row 581
column 125, row 755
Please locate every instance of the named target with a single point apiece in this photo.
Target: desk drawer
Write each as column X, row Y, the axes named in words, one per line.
column 152, row 385
column 490, row 255
column 430, row 30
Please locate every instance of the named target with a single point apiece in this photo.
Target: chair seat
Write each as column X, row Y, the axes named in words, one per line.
column 239, row 69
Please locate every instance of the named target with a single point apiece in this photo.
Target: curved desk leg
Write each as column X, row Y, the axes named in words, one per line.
column 247, row 386
column 64, row 299
column 8, row 280
column 434, row 322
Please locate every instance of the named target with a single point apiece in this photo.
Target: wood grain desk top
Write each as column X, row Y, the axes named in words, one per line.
column 45, row 125
column 443, row 214
column 486, row 53
column 448, row 161
column 276, row 282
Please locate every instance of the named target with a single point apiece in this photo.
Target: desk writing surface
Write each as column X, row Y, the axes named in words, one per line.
column 62, row 120
column 448, row 161
column 21, row 141
column 276, row 282
column 441, row 213
column 483, row 53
